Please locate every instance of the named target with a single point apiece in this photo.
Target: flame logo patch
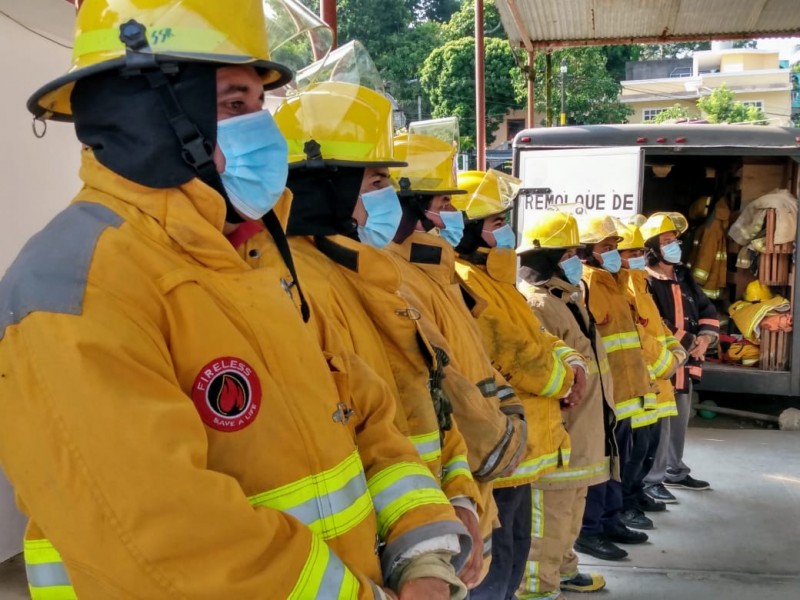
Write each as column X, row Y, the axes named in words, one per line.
column 227, row 394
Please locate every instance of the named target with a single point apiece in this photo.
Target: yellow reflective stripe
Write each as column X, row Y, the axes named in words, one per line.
column 604, row 367
column 534, row 467
column 712, row 294
column 700, row 274
column 628, row 408
column 334, row 148
column 621, row 341
column 183, row 40
column 399, row 488
column 455, row 467
column 573, row 473
column 660, row 367
column 329, row 503
column 488, row 387
column 47, row 575
column 650, row 401
column 557, row 375
column 324, row 576
column 644, row 418
column 428, row 445
column 667, row 409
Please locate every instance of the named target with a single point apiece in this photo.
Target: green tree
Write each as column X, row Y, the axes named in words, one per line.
column 462, row 23
column 721, row 107
column 448, row 78
column 436, row 10
column 673, row 50
column 617, row 57
column 592, row 94
column 673, row 113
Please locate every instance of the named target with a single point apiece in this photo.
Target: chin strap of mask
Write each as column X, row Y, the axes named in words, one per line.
column 275, row 229
column 196, row 150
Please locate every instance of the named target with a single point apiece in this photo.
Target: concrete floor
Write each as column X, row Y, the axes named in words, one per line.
column 739, row 540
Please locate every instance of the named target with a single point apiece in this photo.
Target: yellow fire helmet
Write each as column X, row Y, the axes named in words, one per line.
column 664, row 222
column 488, row 193
column 551, row 230
column 596, row 228
column 158, row 32
column 631, row 237
column 429, row 149
column 757, row 292
column 337, row 123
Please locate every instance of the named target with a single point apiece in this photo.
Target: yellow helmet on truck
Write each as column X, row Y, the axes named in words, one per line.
column 135, row 34
column 551, row 230
column 488, row 193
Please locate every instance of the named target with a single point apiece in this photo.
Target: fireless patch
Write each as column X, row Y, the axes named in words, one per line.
column 227, row 394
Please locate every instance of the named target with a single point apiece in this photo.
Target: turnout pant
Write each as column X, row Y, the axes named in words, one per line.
column 511, row 543
column 556, row 522
column 604, row 500
column 668, row 462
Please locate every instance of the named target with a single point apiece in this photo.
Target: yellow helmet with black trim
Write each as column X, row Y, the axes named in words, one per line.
column 429, row 149
column 489, row 193
column 339, row 123
column 551, row 230
column 225, row 33
column 664, row 222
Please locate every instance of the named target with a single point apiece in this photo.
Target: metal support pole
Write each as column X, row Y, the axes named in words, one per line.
column 548, row 88
column 531, row 88
column 419, row 107
column 327, row 12
column 563, row 120
column 480, row 89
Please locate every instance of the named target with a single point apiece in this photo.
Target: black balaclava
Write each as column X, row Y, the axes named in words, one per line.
column 586, row 254
column 472, row 239
column 414, row 207
column 543, row 264
column 324, row 200
column 125, row 123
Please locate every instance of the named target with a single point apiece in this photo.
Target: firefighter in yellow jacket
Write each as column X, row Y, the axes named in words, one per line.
column 166, row 418
column 609, row 513
column 541, row 367
column 424, row 251
column 663, row 355
column 550, row 275
column 353, row 284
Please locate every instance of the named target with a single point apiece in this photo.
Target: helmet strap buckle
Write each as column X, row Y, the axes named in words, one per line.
column 138, row 56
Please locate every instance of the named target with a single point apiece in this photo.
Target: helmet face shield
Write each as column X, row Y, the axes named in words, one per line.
column 596, row 228
column 489, row 193
column 297, row 37
column 430, row 149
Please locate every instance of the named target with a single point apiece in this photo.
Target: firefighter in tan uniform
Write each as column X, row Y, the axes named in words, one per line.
column 541, row 367
column 353, row 284
column 550, row 275
column 167, row 419
column 424, row 251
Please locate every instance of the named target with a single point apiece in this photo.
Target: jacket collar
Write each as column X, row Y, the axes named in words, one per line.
column 361, row 259
column 500, row 263
column 430, row 253
column 192, row 215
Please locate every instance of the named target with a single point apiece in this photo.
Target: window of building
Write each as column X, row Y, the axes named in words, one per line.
column 759, row 104
column 513, row 127
column 648, row 114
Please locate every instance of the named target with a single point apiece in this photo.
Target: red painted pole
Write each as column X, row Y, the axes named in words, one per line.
column 480, row 88
column 327, row 12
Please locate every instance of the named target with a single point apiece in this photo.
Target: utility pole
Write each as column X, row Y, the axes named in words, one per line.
column 327, row 12
column 480, row 88
column 563, row 92
column 419, row 106
column 548, row 89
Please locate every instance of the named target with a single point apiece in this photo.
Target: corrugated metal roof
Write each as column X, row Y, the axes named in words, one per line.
column 550, row 23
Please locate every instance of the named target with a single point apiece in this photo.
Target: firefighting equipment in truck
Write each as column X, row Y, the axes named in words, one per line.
column 175, row 31
column 709, row 259
column 551, row 229
column 750, row 222
column 515, row 341
column 745, row 352
column 293, row 522
column 748, row 315
column 757, row 292
column 489, row 193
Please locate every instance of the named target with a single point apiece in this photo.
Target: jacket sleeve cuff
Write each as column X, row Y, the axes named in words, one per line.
column 452, row 537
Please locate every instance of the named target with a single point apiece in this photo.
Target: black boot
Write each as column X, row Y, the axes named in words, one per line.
column 599, row 547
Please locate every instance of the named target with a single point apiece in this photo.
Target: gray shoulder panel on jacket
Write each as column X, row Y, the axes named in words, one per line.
column 51, row 271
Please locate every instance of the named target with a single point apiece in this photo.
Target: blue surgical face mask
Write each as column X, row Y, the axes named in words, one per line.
column 383, row 217
column 573, row 269
column 612, row 261
column 256, row 162
column 671, row 252
column 637, row 263
column 453, row 226
column 504, row 237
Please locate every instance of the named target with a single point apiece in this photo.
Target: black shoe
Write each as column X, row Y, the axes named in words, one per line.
column 635, row 519
column 689, row 483
column 660, row 493
column 583, row 582
column 620, row 534
column 647, row 504
column 599, row 547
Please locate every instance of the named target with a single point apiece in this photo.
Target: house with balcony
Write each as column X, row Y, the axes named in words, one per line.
column 756, row 77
